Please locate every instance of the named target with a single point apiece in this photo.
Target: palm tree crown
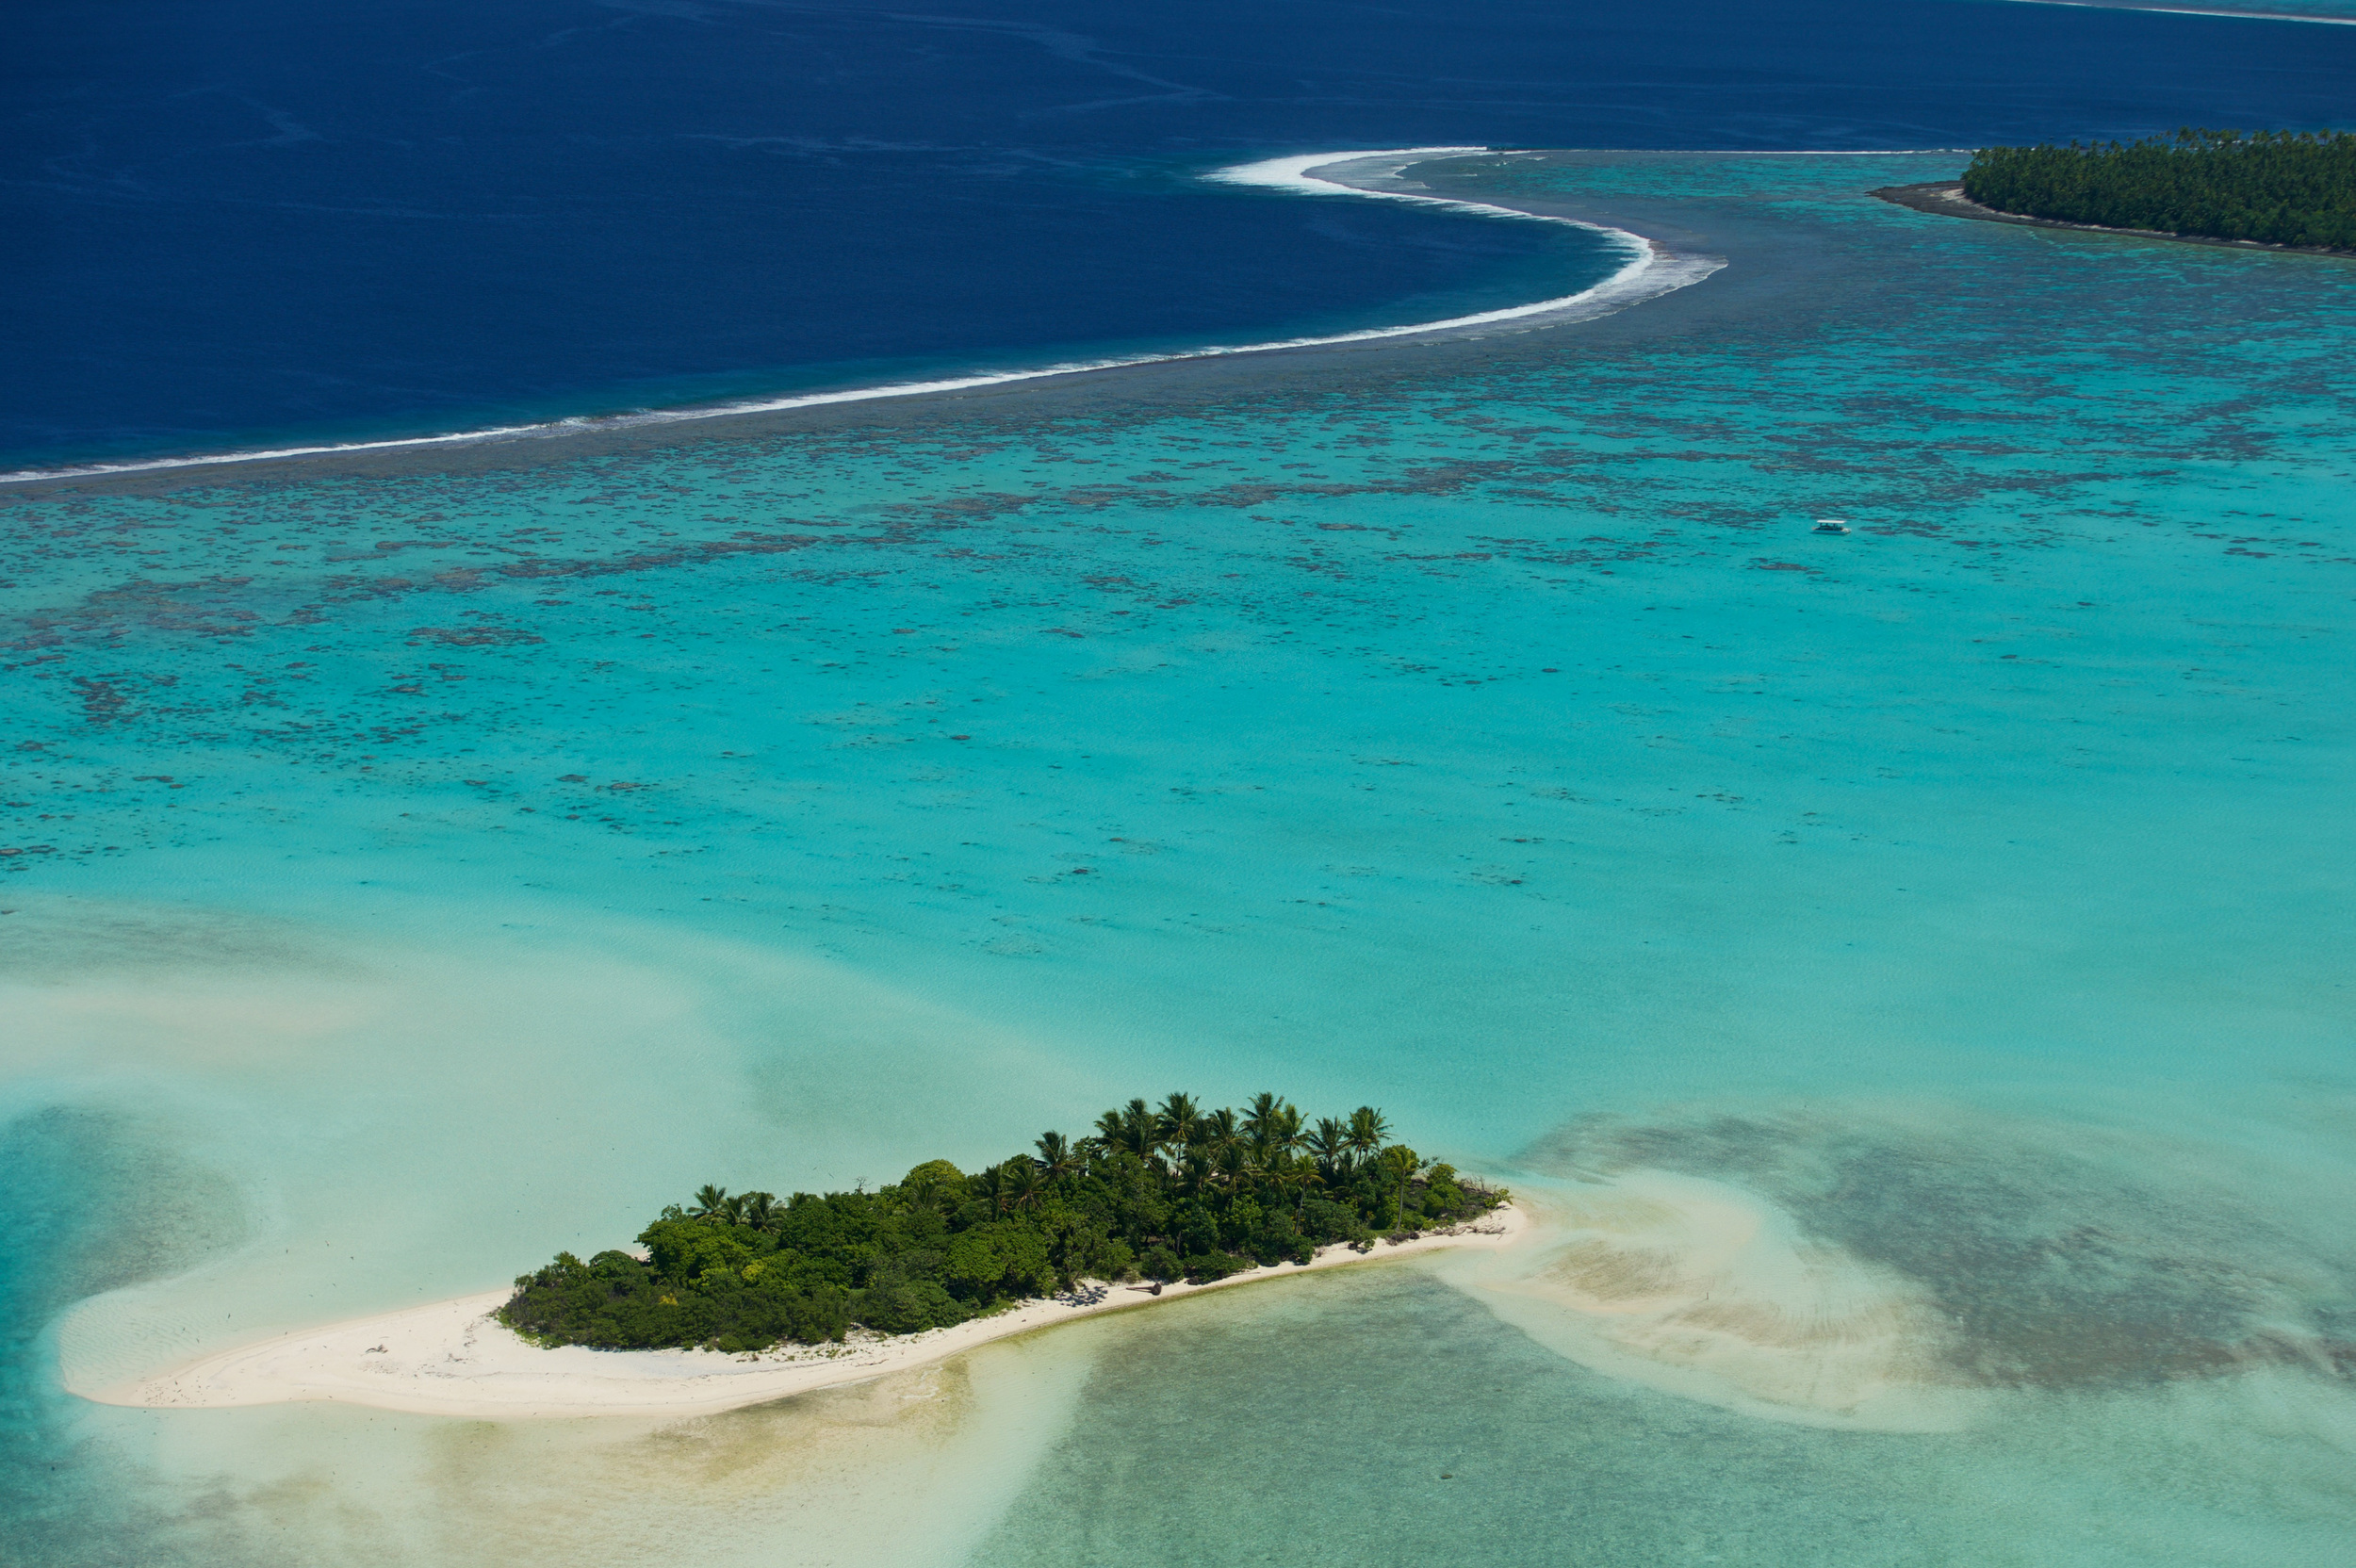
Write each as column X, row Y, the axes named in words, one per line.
column 1284, row 1127
column 1056, row 1156
column 1141, row 1130
column 1331, row 1144
column 1176, row 1121
column 1222, row 1128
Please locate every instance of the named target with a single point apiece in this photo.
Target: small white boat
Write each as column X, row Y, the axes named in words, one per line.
column 1830, row 525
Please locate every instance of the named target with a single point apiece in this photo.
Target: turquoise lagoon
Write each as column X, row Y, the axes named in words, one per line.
column 418, row 870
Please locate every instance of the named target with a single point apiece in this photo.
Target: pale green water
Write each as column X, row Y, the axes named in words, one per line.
column 1479, row 732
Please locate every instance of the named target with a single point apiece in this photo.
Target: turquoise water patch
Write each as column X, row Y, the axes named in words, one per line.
column 1483, row 731
column 94, row 1201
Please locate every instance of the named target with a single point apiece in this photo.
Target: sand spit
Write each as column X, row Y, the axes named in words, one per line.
column 451, row 1358
column 1945, row 199
column 1703, row 1289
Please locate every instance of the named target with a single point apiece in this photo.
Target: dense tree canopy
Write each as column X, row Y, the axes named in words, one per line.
column 1163, row 1192
column 2282, row 187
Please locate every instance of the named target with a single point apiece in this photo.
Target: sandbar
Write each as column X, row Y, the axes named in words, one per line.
column 451, row 1358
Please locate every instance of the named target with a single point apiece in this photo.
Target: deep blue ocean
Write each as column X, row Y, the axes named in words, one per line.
column 236, row 222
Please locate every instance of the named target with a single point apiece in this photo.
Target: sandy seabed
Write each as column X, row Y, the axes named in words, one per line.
column 451, row 1358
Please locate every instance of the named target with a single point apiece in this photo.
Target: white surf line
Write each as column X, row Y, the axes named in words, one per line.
column 2188, row 10
column 1651, row 271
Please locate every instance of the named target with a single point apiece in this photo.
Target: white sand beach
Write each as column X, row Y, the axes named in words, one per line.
column 450, row 1358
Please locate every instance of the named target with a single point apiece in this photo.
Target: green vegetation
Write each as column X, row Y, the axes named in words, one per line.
column 1167, row 1193
column 2280, row 187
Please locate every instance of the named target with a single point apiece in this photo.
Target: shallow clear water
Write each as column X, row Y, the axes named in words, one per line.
column 1436, row 1434
column 440, row 869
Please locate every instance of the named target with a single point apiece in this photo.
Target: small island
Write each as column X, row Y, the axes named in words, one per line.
column 2275, row 187
column 1156, row 1194
column 2289, row 191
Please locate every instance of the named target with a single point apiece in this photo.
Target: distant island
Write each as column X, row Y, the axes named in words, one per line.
column 1155, row 1193
column 2290, row 188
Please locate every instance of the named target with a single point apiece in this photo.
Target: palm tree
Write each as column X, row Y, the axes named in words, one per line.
column 1329, row 1143
column 710, row 1202
column 1109, row 1135
column 1284, row 1127
column 1367, row 1129
column 1234, row 1163
column 1056, row 1156
column 1015, row 1184
column 1024, row 1182
column 1401, row 1164
column 1261, row 1121
column 1141, row 1132
column 1222, row 1128
column 1294, row 1175
column 1176, row 1121
column 759, row 1210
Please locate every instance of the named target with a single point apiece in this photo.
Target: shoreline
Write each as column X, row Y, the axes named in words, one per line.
column 1945, row 199
column 449, row 1358
column 1651, row 269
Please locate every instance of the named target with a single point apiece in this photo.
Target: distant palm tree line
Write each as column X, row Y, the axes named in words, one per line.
column 2277, row 187
column 1162, row 1192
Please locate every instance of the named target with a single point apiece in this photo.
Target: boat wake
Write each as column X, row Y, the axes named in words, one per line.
column 1649, row 271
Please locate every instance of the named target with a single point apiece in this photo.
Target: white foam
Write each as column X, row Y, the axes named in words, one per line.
column 2188, row 10
column 1651, row 271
